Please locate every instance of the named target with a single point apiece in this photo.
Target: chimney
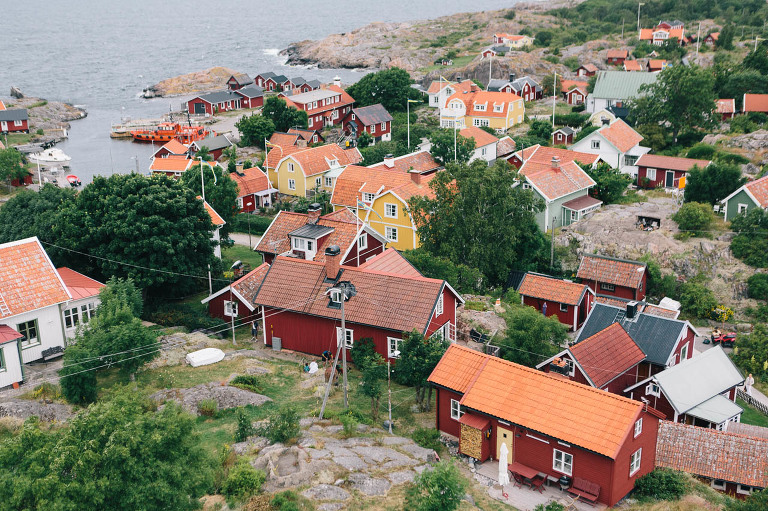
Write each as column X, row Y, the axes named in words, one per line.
column 473, row 87
column 415, row 176
column 512, row 77
column 631, row 310
column 332, row 262
column 555, row 162
column 314, row 212
column 389, row 160
column 337, row 81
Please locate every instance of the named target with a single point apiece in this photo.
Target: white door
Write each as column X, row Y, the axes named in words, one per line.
column 3, row 126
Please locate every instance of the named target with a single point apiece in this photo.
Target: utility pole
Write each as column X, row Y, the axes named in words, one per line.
column 344, row 348
column 490, row 61
column 638, row 15
column 552, row 245
column 389, row 390
column 622, row 28
column 698, row 38
column 554, row 98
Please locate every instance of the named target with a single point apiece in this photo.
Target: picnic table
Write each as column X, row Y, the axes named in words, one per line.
column 526, row 475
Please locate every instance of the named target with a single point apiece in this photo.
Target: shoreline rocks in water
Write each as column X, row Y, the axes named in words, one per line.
column 211, row 79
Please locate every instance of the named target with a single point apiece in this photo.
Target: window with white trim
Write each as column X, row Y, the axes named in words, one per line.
column 318, row 181
column 574, row 216
column 71, row 317
column 684, row 353
column 239, row 203
column 18, row 123
column 718, row 484
column 480, row 107
column 480, row 122
column 383, row 126
column 607, row 287
column 519, row 118
column 744, row 489
column 353, row 117
column 638, row 427
column 562, row 462
column 368, row 197
column 595, row 144
column 483, row 151
column 563, row 307
column 393, row 346
column 230, row 308
column 335, row 295
column 741, row 209
column 390, row 210
column 498, row 108
column 290, row 167
column 570, row 366
column 291, row 184
column 303, row 244
column 456, row 411
column 362, row 241
column 634, row 462
column 2, row 361
column 650, row 174
column 439, row 306
column 30, row 331
column 526, row 186
column 391, row 233
column 86, row 312
column 653, row 389
column 309, row 122
column 328, row 181
column 347, row 337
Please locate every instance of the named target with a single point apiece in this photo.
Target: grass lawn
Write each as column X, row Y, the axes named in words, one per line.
column 631, row 197
column 13, row 139
column 242, row 253
column 752, row 415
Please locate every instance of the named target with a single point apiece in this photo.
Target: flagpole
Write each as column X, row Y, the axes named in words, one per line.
column 357, row 229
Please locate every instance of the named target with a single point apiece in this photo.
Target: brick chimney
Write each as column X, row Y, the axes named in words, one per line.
column 314, row 212
column 332, row 262
column 474, row 87
column 555, row 162
column 389, row 160
column 415, row 176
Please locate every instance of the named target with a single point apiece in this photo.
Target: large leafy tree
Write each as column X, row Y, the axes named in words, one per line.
column 443, row 146
column 758, row 60
column 418, row 358
column 118, row 454
column 531, row 337
column 683, row 97
column 220, row 191
column 610, row 182
column 725, row 41
column 712, row 183
column 479, row 218
column 255, row 129
column 390, row 87
column 30, row 213
column 153, row 230
column 733, row 83
column 751, row 241
column 283, row 116
column 10, row 165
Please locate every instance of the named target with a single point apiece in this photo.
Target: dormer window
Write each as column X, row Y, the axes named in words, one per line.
column 368, row 197
column 333, row 163
column 335, row 295
column 303, row 244
column 498, row 108
column 480, row 107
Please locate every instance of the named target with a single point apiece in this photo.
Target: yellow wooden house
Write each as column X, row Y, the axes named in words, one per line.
column 302, row 173
column 497, row 110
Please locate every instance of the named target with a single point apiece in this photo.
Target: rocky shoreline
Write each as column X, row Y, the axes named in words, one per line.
column 214, row 78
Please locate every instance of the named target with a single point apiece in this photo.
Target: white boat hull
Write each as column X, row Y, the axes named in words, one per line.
column 50, row 156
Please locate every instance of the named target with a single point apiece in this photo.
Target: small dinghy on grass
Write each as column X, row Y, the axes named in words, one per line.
column 204, row 357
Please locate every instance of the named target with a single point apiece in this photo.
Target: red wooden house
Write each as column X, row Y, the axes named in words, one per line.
column 587, row 70
column 608, row 360
column 755, row 103
column 574, row 92
column 373, row 119
column 308, row 235
column 253, row 189
column 555, row 427
column 616, row 57
column 324, row 107
column 238, row 81
column 301, row 313
column 15, row 120
column 214, row 143
column 654, row 170
column 309, row 136
column 172, row 148
column 569, row 301
column 236, row 300
column 214, row 102
column 711, row 39
column 251, row 96
column 562, row 136
column 726, row 108
column 613, row 277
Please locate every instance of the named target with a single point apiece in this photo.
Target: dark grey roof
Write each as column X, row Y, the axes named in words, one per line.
column 315, row 84
column 619, row 111
column 280, row 79
column 565, row 129
column 313, row 231
column 15, row 114
column 298, row 81
column 252, row 91
column 374, row 114
column 213, row 143
column 496, row 85
column 242, row 79
column 655, row 335
column 518, row 84
column 220, row 97
column 268, row 74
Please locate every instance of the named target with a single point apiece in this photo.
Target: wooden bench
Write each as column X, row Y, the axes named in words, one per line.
column 585, row 490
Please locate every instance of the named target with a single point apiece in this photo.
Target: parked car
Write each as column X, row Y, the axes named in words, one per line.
column 728, row 340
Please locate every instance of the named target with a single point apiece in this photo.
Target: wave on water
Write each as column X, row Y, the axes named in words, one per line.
column 271, row 51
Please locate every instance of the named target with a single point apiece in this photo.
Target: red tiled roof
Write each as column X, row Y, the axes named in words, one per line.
column 566, row 85
column 171, row 163
column 632, row 65
column 506, row 147
column 583, row 202
column 646, row 34
column 555, row 290
column 590, row 68
column 8, row 334
column 726, row 106
column 655, row 310
column 305, row 134
column 756, row 103
column 28, row 280
column 314, row 160
column 277, row 153
column 611, row 271
column 343, row 215
column 714, row 35
column 571, row 412
column 252, row 180
column 489, row 98
column 174, row 147
column 554, row 182
column 384, row 300
column 475, row 421
column 481, row 137
column 743, row 429
column 670, row 162
column 78, row 285
column 715, row 454
column 759, row 190
column 543, row 155
column 356, row 180
column 656, row 64
column 247, row 285
column 437, row 85
column 607, row 354
column 280, row 138
column 421, row 161
column 621, row 135
column 215, row 217
column 391, row 261
column 617, row 54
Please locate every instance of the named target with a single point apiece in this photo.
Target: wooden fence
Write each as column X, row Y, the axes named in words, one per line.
column 752, row 401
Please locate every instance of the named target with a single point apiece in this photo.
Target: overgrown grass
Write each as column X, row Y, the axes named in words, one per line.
column 752, row 415
column 13, row 139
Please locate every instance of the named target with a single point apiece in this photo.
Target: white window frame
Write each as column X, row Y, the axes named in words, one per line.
column 2, row 361
column 684, row 352
column 391, row 234
column 353, row 117
column 349, row 337
column 390, row 210
column 18, row 123
column 368, row 197
column 382, row 126
column 393, row 342
column 634, row 461
column 362, row 241
column 230, row 308
column 653, row 389
column 456, row 411
column 87, row 310
column 563, row 307
column 740, row 489
column 309, row 122
column 439, row 306
column 741, row 209
column 650, row 174
column 595, row 144
column 318, row 181
column 335, row 295
column 24, row 328
column 71, row 318
column 574, row 216
column 716, row 486
column 498, row 108
column 290, row 167
column 480, row 122
column 638, row 427
column 328, row 181
column 605, row 286
column 571, row 366
column 526, row 186
column 562, row 462
column 291, row 184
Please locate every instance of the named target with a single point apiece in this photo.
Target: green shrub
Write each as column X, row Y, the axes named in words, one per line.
column 361, row 350
column 702, row 152
column 571, row 63
column 349, row 423
column 428, row 438
column 742, row 124
column 40, row 132
column 243, row 481
column 188, row 315
column 551, row 506
column 290, row 501
column 283, row 425
column 439, row 489
column 758, row 501
column 476, row 306
column 552, row 59
column 695, row 217
column 248, row 382
column 207, row 407
column 244, row 426
column 697, row 300
column 661, row 484
column 509, row 15
column 732, row 158
column 259, row 223
column 758, row 286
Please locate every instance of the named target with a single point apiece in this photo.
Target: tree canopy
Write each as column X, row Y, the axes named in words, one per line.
column 439, row 489
column 443, row 146
column 153, row 230
column 390, row 87
column 282, row 116
column 751, row 241
column 531, row 337
column 712, row 183
column 10, row 165
column 30, row 213
column 479, row 218
column 220, row 191
column 255, row 129
column 611, row 183
column 418, row 358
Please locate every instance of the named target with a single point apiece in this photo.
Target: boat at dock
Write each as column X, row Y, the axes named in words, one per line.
column 52, row 155
column 167, row 131
column 73, row 180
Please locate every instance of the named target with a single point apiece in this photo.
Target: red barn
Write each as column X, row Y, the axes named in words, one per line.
column 214, row 102
column 235, row 300
column 568, row 301
column 550, row 426
column 613, row 277
column 251, row 97
column 253, row 189
column 14, row 120
column 616, row 57
column 374, row 120
column 654, row 170
column 562, row 136
column 238, row 81
column 300, row 312
column 726, row 108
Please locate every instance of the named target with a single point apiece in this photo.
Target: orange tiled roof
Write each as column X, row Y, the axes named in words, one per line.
column 247, row 285
column 670, row 162
column 78, row 285
column 743, row 429
column 759, row 190
column 252, row 180
column 555, row 290
column 394, row 302
column 632, row 65
column 566, row 85
column 611, row 271
column 280, row 138
column 391, row 261
column 756, row 103
column 481, row 137
column 421, row 161
column 171, row 163
column 28, row 279
column 590, row 68
column 343, row 215
column 174, row 147
column 356, row 180
column 215, row 217
column 726, row 106
column 621, row 135
column 2, row 105
column 715, row 454
column 655, row 310
column 714, row 35
column 314, row 160
column 489, row 98
column 646, row 34
column 676, row 32
column 617, row 54
column 554, row 182
column 543, row 155
column 607, row 354
column 277, row 153
column 568, row 411
column 656, row 64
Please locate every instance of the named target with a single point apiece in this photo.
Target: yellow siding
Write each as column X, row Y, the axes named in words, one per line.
column 407, row 238
column 297, row 175
column 272, row 175
column 310, row 182
column 515, row 115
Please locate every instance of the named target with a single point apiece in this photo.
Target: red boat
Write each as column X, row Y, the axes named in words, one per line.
column 167, row 131
column 73, row 180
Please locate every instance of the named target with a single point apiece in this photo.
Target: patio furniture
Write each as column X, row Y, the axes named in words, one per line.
column 587, row 490
column 537, row 483
column 519, row 481
column 568, row 503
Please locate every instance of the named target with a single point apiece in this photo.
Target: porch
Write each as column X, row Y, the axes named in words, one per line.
column 524, row 498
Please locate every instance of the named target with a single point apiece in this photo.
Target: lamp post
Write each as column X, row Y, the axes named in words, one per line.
column 408, row 114
column 249, row 204
column 230, row 274
column 389, row 390
column 342, row 292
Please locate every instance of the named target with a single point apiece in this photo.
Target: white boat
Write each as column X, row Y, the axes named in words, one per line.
column 204, row 357
column 52, row 155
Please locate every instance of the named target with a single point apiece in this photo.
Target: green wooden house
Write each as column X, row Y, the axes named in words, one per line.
column 750, row 196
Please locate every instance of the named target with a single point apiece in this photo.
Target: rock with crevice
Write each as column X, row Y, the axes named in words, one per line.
column 225, row 396
column 24, row 408
column 322, row 492
column 371, row 486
